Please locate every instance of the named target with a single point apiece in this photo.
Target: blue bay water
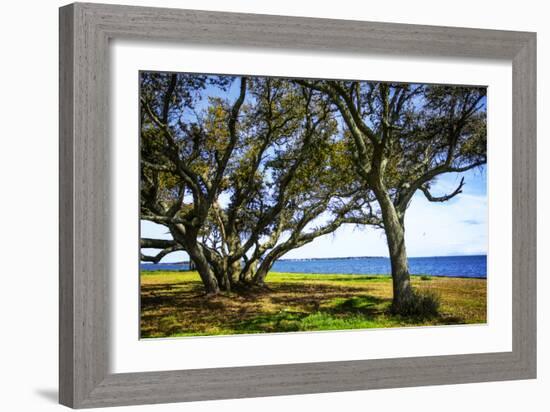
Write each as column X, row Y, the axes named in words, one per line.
column 453, row 266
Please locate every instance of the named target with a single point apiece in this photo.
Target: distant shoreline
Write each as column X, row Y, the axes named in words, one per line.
column 375, row 257
column 449, row 266
column 343, row 275
column 186, row 262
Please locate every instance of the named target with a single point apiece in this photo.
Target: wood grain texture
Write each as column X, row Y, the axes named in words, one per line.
column 524, row 184
column 85, row 30
column 66, row 194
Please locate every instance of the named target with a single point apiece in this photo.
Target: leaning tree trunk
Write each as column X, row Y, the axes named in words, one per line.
column 234, row 270
column 246, row 275
column 395, row 235
column 196, row 255
column 227, row 273
column 211, row 284
column 259, row 276
column 262, row 271
column 402, row 291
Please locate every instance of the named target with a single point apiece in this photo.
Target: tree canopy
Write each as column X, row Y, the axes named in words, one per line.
column 405, row 136
column 243, row 177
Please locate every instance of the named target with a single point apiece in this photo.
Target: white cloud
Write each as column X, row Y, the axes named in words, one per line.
column 457, row 227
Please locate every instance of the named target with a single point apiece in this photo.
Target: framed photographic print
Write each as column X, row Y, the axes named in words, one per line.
column 264, row 205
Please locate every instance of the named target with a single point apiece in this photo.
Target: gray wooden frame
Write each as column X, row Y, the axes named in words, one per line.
column 85, row 30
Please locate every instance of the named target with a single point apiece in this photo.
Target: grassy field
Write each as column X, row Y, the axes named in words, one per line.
column 172, row 304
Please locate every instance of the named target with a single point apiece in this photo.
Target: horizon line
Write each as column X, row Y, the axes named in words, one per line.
column 339, row 257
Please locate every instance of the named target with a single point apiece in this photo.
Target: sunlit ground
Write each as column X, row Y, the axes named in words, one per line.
column 173, row 304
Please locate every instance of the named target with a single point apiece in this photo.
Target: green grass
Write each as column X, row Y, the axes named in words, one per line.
column 173, row 304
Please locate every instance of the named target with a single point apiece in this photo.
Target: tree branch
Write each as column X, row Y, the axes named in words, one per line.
column 170, row 246
column 444, row 198
column 168, row 97
column 232, row 125
column 156, row 243
column 190, row 178
column 337, row 89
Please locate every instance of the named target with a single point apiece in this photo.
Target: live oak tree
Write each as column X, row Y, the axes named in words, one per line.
column 244, row 176
column 405, row 136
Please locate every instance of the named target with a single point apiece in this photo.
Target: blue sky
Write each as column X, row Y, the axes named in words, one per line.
column 456, row 227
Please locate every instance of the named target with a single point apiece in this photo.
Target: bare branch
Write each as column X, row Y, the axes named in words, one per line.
column 156, row 243
column 465, row 168
column 157, row 258
column 168, row 97
column 444, row 198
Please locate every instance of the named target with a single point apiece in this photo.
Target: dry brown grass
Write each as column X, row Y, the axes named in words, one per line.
column 173, row 304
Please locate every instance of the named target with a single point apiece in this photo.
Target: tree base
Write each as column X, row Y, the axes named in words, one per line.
column 422, row 305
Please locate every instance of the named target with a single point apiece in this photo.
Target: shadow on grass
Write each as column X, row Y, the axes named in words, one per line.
column 182, row 310
column 342, row 313
column 364, row 304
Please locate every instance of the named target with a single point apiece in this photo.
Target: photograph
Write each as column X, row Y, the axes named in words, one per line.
column 284, row 205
